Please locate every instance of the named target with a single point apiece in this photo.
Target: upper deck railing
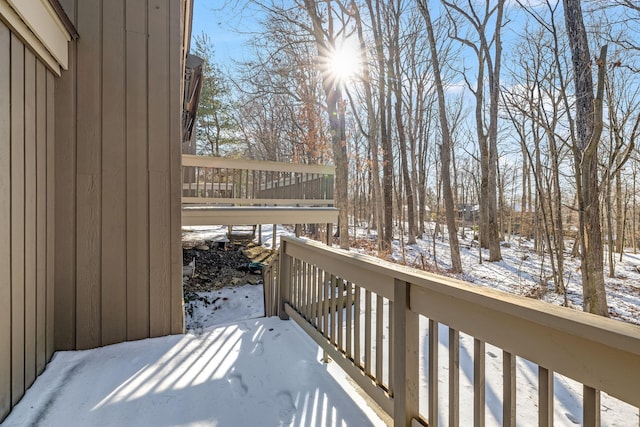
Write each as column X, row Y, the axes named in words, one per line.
column 222, row 181
column 380, row 321
column 234, row 192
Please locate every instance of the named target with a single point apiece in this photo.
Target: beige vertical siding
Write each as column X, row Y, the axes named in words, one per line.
column 26, row 218
column 5, row 222
column 118, row 258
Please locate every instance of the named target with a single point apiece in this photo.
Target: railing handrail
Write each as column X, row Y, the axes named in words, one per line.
column 261, row 165
column 613, row 333
column 601, row 353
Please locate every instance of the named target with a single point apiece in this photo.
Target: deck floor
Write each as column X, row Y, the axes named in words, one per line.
column 261, row 372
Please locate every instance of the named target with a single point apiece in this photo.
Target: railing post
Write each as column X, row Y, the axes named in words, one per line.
column 406, row 353
column 284, row 280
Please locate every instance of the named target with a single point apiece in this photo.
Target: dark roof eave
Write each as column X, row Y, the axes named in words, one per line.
column 68, row 25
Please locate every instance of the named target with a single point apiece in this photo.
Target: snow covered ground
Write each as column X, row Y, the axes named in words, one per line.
column 267, row 372
column 262, row 372
column 523, row 272
column 224, row 306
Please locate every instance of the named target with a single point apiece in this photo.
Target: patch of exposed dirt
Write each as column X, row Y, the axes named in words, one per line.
column 223, row 264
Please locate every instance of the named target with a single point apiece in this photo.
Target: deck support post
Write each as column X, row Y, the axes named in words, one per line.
column 275, row 233
column 329, row 234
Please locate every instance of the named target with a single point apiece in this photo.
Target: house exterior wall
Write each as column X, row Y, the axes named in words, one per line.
column 26, row 217
column 118, row 130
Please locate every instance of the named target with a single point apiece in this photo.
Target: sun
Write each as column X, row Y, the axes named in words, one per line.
column 344, row 62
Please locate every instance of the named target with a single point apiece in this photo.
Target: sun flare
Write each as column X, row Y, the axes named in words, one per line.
column 344, row 62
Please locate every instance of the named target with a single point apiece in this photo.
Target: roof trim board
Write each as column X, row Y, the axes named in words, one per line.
column 41, row 26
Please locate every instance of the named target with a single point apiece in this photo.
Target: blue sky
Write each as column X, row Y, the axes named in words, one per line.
column 227, row 26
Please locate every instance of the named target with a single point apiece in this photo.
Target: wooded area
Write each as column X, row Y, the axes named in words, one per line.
column 510, row 118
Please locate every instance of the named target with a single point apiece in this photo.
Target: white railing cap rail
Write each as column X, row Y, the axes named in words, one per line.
column 221, row 162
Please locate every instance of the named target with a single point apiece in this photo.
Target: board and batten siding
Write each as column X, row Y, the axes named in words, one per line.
column 26, row 217
column 118, row 110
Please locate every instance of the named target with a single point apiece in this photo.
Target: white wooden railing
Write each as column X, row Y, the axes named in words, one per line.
column 365, row 313
column 215, row 180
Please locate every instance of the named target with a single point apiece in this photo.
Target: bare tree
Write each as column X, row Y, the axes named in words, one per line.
column 372, row 130
column 325, row 39
column 487, row 128
column 375, row 8
column 589, row 126
column 445, row 148
column 538, row 100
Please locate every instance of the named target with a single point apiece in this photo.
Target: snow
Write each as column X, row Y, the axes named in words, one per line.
column 568, row 393
column 524, row 272
column 218, row 233
column 261, row 372
column 264, row 371
column 224, row 306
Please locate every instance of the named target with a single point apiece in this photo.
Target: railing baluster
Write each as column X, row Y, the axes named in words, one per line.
column 545, row 397
column 349, row 316
column 294, row 284
column 252, row 194
column 300, row 285
column 356, row 326
column 319, row 298
column 303, row 298
column 270, row 293
column 198, row 182
column 367, row 331
column 306, row 291
column 340, row 309
column 433, row 373
column 591, row 407
column 454, row 377
column 332, row 309
column 478, row 383
column 204, row 194
column 314, row 296
column 226, row 183
column 379, row 331
column 391, row 347
column 325, row 311
column 247, row 184
column 310, row 294
column 325, row 305
column 508, row 389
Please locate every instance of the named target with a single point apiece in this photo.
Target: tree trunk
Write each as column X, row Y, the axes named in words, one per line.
column 445, row 149
column 336, row 111
column 385, row 140
column 619, row 215
column 373, row 131
column 494, row 98
column 588, row 129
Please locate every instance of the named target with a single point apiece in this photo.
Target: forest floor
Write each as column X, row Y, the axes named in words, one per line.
column 522, row 271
